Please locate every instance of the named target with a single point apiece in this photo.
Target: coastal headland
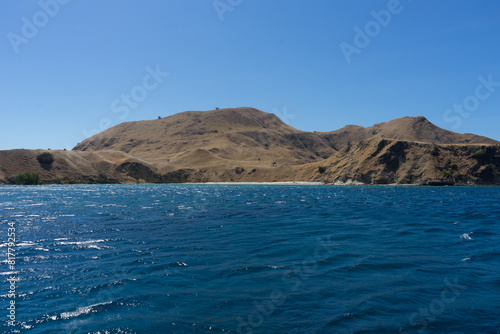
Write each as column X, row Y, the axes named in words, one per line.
column 248, row 145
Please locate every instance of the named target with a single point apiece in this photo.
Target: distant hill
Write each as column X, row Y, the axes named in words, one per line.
column 417, row 129
column 389, row 161
column 225, row 137
column 246, row 144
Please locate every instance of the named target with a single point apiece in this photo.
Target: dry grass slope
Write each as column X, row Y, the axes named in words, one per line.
column 249, row 145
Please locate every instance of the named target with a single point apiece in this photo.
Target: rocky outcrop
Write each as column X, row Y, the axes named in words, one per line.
column 386, row 161
column 138, row 171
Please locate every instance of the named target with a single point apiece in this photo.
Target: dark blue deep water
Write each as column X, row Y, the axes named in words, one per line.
column 251, row 259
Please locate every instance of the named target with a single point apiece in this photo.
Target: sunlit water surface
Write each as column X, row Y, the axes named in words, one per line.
column 252, row 259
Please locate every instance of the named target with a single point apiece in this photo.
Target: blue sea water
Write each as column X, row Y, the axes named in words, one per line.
column 251, row 259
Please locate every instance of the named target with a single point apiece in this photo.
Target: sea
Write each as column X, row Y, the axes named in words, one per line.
column 195, row 258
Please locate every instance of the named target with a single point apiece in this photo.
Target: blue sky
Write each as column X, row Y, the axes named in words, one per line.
column 72, row 68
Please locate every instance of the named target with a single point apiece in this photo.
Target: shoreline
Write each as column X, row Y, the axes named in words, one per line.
column 284, row 183
column 277, row 183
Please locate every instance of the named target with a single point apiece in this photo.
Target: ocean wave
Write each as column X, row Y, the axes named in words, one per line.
column 26, row 244
column 179, row 264
column 6, row 273
column 20, row 244
column 466, row 236
column 82, row 310
column 86, row 242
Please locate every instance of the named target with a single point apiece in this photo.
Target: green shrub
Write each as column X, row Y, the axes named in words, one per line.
column 45, row 158
column 266, row 145
column 239, row 170
column 447, row 174
column 325, row 156
column 479, row 154
column 28, row 179
column 453, row 166
column 321, row 169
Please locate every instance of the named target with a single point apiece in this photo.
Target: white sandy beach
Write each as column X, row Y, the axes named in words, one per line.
column 302, row 183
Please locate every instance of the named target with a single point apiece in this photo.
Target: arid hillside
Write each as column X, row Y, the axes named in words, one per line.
column 249, row 145
column 67, row 166
column 389, row 161
column 417, row 129
column 222, row 138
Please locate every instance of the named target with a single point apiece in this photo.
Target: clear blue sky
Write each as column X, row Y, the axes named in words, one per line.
column 67, row 70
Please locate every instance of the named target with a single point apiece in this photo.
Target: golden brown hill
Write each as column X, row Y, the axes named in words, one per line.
column 417, row 129
column 389, row 161
column 248, row 145
column 67, row 166
column 223, row 138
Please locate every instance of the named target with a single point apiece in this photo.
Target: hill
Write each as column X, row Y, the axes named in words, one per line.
column 390, row 161
column 246, row 144
column 224, row 138
column 417, row 129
